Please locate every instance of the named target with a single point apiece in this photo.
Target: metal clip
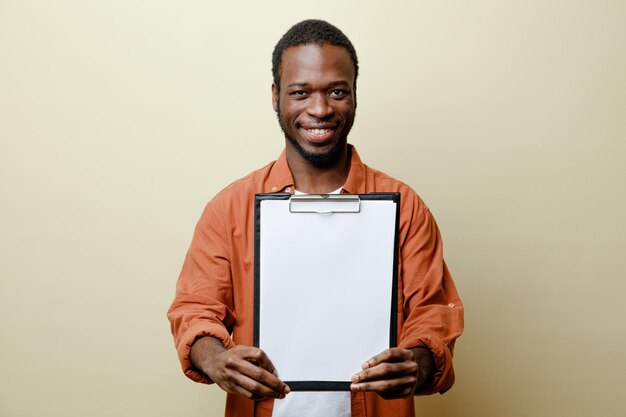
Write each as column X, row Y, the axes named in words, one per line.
column 325, row 203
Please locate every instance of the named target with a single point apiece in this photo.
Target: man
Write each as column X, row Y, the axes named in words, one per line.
column 315, row 69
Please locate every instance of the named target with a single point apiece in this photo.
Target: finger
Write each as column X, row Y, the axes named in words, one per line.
column 389, row 355
column 258, row 357
column 257, row 389
column 249, row 395
column 386, row 370
column 262, row 376
column 264, row 362
column 385, row 386
column 244, row 359
column 233, row 388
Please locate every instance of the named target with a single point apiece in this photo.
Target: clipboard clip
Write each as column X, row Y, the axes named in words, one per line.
column 325, row 203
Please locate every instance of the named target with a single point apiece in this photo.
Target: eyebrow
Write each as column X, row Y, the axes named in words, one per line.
column 298, row 85
column 303, row 84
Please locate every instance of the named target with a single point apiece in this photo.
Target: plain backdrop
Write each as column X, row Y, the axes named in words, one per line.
column 120, row 119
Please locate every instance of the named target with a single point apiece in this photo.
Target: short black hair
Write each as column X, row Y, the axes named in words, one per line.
column 311, row 31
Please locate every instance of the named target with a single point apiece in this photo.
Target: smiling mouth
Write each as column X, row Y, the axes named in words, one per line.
column 318, row 132
column 319, row 136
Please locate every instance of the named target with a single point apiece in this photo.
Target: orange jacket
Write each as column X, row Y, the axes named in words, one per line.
column 214, row 293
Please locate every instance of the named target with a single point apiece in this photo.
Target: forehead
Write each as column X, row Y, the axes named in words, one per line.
column 316, row 63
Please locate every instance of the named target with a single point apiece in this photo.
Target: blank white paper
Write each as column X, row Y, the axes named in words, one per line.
column 325, row 288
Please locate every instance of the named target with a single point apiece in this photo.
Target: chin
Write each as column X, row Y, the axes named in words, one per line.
column 321, row 158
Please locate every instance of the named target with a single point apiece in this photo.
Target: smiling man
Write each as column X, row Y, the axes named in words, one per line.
column 315, row 69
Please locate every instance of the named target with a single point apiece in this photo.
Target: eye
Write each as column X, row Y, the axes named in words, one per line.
column 298, row 93
column 338, row 92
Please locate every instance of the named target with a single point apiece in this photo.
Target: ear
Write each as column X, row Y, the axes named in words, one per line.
column 274, row 97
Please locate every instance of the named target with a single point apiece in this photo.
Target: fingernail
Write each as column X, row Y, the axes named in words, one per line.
column 355, row 378
column 287, row 390
column 365, row 365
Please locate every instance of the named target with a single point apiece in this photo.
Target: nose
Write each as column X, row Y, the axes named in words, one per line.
column 319, row 106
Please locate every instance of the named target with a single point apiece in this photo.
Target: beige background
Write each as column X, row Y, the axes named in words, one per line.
column 120, row 119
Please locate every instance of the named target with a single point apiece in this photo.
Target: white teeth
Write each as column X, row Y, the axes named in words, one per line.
column 319, row 131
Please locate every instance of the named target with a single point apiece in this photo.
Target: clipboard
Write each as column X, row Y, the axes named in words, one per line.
column 325, row 284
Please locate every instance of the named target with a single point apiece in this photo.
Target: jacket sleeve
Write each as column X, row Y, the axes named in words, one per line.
column 203, row 305
column 433, row 312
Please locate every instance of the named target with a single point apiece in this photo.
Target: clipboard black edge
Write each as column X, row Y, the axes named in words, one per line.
column 393, row 323
column 393, row 333
column 318, row 385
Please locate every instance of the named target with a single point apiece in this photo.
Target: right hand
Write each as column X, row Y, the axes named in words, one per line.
column 243, row 370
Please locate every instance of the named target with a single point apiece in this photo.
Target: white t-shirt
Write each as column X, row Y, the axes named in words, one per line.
column 314, row 403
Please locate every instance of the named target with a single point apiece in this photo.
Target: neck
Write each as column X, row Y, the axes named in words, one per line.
column 311, row 179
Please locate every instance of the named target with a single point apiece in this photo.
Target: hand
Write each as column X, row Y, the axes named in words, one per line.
column 241, row 370
column 395, row 373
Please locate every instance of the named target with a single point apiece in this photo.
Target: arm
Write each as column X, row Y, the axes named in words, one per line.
column 203, row 304
column 433, row 311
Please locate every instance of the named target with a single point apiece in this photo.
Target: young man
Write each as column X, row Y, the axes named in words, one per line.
column 315, row 70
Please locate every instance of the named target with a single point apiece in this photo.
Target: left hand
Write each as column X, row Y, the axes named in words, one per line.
column 395, row 373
